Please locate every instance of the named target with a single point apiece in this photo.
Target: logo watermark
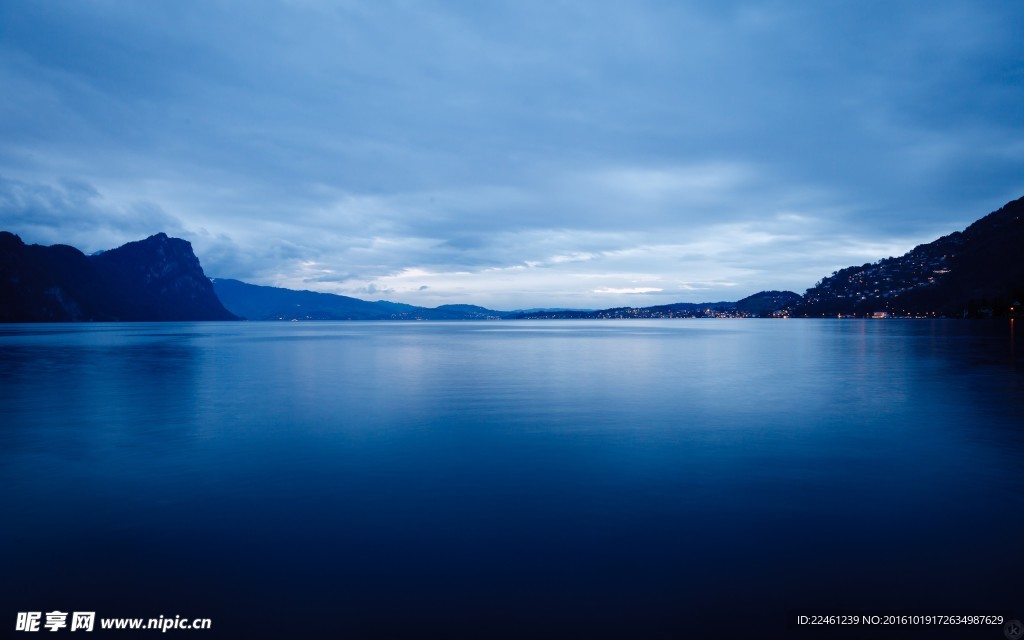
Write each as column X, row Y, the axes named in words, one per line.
column 31, row 621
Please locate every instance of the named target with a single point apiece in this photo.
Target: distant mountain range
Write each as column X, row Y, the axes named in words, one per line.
column 765, row 304
column 272, row 303
column 158, row 278
column 976, row 272
column 256, row 302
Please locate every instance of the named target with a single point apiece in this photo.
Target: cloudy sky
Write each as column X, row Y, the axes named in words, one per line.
column 512, row 154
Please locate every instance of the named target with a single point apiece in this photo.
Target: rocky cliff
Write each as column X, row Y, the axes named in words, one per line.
column 155, row 279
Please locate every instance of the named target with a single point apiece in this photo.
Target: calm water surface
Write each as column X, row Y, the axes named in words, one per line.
column 516, row 479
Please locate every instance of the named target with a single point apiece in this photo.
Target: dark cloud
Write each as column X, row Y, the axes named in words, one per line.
column 74, row 212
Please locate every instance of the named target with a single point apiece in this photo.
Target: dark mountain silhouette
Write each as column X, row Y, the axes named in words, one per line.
column 158, row 278
column 768, row 303
column 976, row 272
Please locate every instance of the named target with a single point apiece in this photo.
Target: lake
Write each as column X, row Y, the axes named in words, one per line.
column 633, row 479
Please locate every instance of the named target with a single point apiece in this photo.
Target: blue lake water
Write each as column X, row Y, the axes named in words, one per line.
column 678, row 478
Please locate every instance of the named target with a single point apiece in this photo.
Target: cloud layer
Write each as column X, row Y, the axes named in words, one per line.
column 514, row 154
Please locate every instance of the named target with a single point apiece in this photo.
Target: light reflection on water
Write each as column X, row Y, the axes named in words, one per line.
column 621, row 478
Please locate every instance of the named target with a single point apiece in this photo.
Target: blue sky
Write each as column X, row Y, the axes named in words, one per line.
column 512, row 154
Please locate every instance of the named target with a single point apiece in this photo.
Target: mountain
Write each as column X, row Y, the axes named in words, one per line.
column 767, row 304
column 155, row 279
column 257, row 302
column 764, row 304
column 976, row 272
column 461, row 312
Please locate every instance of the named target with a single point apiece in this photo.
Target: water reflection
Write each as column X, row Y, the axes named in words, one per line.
column 68, row 399
column 629, row 478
